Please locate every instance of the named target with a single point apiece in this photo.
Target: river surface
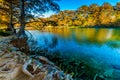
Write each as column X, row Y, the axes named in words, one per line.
column 97, row 46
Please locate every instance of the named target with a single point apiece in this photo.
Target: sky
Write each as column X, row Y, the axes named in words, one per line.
column 75, row 4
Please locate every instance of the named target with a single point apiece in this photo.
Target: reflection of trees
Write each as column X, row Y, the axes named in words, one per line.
column 95, row 35
column 88, row 34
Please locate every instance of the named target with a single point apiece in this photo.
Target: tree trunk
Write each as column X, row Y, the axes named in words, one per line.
column 21, row 32
column 11, row 19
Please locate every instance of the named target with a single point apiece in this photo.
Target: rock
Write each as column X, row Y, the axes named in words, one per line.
column 15, row 65
column 68, row 77
column 14, row 49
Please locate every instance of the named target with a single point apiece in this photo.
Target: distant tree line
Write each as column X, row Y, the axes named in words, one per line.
column 94, row 15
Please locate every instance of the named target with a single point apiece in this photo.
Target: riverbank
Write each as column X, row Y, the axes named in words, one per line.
column 16, row 65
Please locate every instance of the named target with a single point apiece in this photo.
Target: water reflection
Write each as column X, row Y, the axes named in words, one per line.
column 92, row 45
column 88, row 35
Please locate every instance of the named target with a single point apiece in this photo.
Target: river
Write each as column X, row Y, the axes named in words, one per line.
column 98, row 47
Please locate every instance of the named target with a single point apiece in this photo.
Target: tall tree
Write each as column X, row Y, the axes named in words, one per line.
column 11, row 17
column 4, row 9
column 106, row 6
column 34, row 7
column 21, row 32
column 7, row 6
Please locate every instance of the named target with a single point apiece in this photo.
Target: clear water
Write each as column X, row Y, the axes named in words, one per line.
column 95, row 46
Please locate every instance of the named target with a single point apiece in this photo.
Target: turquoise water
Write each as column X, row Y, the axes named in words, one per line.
column 98, row 47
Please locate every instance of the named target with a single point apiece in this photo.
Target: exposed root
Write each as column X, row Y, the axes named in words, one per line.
column 15, row 65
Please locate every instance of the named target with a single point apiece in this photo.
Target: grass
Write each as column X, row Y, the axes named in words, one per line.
column 79, row 69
